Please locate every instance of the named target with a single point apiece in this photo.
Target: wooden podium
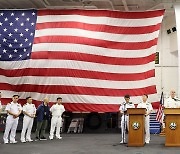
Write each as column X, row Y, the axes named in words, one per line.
column 136, row 126
column 172, row 129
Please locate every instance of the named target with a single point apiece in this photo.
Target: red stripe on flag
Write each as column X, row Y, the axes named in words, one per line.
column 61, row 72
column 81, row 107
column 99, row 28
column 91, row 107
column 62, row 89
column 65, row 55
column 96, row 42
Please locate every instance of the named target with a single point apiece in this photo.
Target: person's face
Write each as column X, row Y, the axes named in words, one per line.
column 46, row 100
column 144, row 98
column 29, row 100
column 15, row 99
column 59, row 101
column 127, row 100
column 172, row 93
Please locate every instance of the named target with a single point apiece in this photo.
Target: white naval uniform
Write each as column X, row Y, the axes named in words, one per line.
column 56, row 121
column 170, row 103
column 0, row 106
column 178, row 104
column 27, row 121
column 125, row 118
column 148, row 108
column 11, row 122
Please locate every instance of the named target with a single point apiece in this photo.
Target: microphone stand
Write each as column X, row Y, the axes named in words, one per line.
column 124, row 126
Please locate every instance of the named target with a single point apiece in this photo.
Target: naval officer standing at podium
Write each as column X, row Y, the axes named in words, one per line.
column 172, row 101
column 145, row 104
column 125, row 118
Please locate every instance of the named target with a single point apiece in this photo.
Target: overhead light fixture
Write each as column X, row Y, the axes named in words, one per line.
column 168, row 31
column 174, row 29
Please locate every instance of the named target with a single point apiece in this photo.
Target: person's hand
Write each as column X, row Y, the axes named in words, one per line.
column 15, row 116
column 33, row 115
column 124, row 112
column 146, row 114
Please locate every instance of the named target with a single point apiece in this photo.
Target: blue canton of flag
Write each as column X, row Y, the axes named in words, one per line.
column 17, row 34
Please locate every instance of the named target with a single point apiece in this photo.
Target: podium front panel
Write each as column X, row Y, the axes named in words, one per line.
column 136, row 127
column 136, row 130
column 172, row 130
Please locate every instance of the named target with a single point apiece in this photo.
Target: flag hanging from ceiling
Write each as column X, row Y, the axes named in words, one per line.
column 91, row 58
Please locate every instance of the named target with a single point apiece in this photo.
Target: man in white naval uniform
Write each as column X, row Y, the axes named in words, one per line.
column 125, row 118
column 171, row 102
column 29, row 111
column 146, row 105
column 13, row 109
column 56, row 121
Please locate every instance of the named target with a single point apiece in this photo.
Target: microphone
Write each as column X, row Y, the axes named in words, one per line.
column 175, row 99
column 124, row 106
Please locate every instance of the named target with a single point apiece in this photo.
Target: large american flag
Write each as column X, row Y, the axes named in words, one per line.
column 91, row 58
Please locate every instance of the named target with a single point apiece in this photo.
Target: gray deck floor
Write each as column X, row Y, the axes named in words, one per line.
column 86, row 144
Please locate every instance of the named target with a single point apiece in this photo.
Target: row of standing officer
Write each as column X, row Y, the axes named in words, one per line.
column 43, row 111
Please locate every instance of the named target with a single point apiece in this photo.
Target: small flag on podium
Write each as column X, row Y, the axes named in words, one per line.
column 159, row 115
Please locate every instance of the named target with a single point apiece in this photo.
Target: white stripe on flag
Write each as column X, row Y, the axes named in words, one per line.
column 96, row 35
column 87, row 99
column 77, row 65
column 71, row 81
column 68, row 47
column 101, row 20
